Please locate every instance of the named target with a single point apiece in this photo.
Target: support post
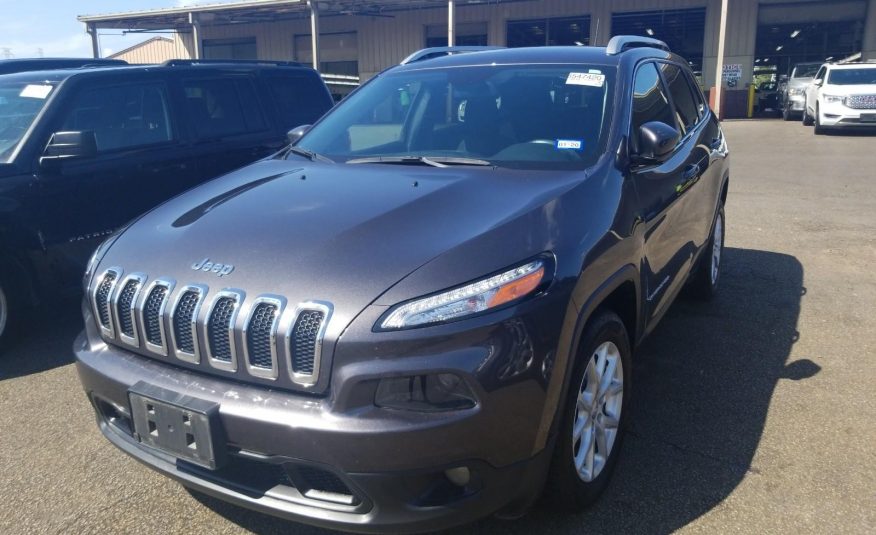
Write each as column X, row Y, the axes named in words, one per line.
column 719, row 70
column 91, row 30
column 314, row 32
column 196, row 36
column 451, row 23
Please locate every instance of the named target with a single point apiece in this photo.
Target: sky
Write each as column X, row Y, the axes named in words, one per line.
column 31, row 28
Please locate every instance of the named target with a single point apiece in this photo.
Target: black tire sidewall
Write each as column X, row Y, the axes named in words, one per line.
column 565, row 487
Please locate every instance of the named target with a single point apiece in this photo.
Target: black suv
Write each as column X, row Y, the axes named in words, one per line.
column 84, row 151
column 425, row 310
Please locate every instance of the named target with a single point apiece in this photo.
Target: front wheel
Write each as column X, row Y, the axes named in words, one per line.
column 807, row 119
column 707, row 274
column 819, row 129
column 5, row 315
column 594, row 415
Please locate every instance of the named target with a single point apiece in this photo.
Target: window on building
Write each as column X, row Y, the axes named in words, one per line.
column 338, row 52
column 650, row 102
column 230, row 48
column 684, row 30
column 467, row 34
column 567, row 31
column 122, row 116
column 222, row 107
column 682, row 97
column 782, row 45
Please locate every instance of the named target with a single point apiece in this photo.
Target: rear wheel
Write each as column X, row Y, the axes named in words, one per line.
column 6, row 329
column 594, row 415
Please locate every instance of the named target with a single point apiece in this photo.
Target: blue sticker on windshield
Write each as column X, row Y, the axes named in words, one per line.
column 570, row 144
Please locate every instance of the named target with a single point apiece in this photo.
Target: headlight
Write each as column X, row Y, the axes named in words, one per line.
column 796, row 91
column 469, row 299
column 832, row 99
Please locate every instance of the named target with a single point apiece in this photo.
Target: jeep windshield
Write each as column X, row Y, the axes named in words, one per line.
column 20, row 102
column 516, row 116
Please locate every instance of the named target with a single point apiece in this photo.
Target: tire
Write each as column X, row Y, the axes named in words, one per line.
column 807, row 119
column 604, row 347
column 786, row 114
column 819, row 130
column 8, row 314
column 707, row 274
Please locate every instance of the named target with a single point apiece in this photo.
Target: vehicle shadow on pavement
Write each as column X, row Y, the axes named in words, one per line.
column 45, row 340
column 702, row 383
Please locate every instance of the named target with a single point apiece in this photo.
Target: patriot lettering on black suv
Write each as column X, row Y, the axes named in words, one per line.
column 85, row 150
column 424, row 310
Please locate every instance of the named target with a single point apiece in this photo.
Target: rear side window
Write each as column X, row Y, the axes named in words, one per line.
column 299, row 99
column 122, row 116
column 222, row 107
column 650, row 102
column 682, row 96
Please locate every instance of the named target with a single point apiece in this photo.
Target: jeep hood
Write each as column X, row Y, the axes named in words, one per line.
column 328, row 232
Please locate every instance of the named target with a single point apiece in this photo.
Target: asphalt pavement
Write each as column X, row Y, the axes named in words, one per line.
column 755, row 413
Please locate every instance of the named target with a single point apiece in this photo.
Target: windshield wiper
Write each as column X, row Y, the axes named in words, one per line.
column 309, row 154
column 434, row 161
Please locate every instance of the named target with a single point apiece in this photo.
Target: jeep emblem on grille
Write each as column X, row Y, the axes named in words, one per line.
column 213, row 267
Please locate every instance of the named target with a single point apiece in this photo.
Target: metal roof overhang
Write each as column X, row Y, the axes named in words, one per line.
column 254, row 11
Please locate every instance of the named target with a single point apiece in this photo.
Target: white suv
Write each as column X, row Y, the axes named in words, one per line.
column 841, row 96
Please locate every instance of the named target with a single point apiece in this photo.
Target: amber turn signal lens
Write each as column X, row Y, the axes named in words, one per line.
column 517, row 289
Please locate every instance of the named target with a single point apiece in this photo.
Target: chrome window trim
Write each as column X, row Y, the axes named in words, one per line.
column 168, row 284
column 257, row 371
column 194, row 358
column 134, row 339
column 107, row 332
column 238, row 296
column 302, row 379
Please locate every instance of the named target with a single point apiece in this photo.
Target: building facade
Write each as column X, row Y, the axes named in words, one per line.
column 361, row 38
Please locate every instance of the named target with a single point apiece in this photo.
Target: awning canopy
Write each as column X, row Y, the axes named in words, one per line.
column 178, row 18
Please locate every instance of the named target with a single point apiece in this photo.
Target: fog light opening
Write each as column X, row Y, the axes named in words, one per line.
column 459, row 476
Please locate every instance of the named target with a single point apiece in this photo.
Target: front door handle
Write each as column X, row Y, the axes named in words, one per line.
column 691, row 172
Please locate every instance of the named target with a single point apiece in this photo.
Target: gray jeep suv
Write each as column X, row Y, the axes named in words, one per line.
column 422, row 312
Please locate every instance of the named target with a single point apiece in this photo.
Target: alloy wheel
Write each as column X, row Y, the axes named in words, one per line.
column 598, row 411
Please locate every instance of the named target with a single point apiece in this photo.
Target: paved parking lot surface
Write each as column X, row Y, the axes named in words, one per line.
column 755, row 413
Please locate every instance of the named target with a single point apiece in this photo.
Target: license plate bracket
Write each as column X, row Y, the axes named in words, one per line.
column 182, row 426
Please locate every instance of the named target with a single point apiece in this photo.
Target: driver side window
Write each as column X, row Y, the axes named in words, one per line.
column 820, row 74
column 650, row 102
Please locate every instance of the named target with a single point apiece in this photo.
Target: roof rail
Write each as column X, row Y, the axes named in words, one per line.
column 622, row 43
column 435, row 52
column 184, row 62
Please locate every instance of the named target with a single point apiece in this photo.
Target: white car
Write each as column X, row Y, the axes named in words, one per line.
column 841, row 96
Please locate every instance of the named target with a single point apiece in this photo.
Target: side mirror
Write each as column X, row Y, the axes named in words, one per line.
column 292, row 136
column 783, row 78
column 818, row 83
column 656, row 141
column 64, row 145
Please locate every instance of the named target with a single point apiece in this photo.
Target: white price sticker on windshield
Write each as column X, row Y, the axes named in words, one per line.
column 36, row 91
column 590, row 79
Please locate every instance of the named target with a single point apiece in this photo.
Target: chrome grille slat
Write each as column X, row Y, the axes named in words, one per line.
column 152, row 311
column 102, row 300
column 304, row 342
column 184, row 321
column 219, row 329
column 861, row 102
column 123, row 306
column 260, row 336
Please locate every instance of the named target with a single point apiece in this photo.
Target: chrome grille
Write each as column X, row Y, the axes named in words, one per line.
column 261, row 328
column 164, row 319
column 861, row 102
column 304, row 343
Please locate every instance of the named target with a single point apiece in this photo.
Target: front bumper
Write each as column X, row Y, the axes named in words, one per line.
column 837, row 115
column 796, row 102
column 379, row 470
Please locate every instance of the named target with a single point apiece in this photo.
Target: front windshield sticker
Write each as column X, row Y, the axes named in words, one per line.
column 586, row 78
column 570, row 144
column 36, row 91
